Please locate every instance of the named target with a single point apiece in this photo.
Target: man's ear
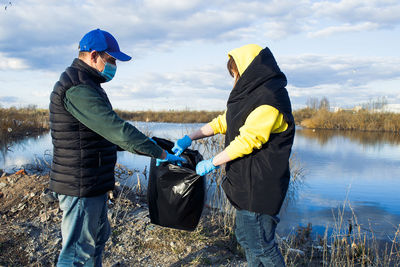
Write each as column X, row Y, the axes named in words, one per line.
column 93, row 56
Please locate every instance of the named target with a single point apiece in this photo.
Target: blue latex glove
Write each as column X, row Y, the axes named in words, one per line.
column 171, row 158
column 205, row 166
column 181, row 145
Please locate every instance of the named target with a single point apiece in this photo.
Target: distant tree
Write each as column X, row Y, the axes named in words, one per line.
column 375, row 104
column 381, row 102
column 312, row 102
column 324, row 103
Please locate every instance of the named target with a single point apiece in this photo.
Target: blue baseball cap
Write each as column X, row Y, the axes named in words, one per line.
column 102, row 41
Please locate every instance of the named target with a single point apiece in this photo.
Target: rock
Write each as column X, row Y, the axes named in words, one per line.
column 46, row 197
column 21, row 206
column 2, row 185
column 44, row 216
column 3, row 174
column 11, row 180
column 1, row 194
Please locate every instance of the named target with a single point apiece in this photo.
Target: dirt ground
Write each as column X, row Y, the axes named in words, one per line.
column 30, row 231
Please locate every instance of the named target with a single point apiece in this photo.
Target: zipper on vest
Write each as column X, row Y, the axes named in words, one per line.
column 99, row 159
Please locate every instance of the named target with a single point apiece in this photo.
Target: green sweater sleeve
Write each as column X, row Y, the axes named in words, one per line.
column 91, row 109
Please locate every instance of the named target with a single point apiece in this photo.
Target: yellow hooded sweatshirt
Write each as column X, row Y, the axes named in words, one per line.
column 260, row 123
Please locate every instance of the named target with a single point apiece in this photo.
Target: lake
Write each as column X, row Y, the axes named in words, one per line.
column 357, row 170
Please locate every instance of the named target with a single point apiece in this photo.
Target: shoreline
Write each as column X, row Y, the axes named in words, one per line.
column 360, row 120
column 17, row 122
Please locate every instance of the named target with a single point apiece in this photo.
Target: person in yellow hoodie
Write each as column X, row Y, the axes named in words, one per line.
column 259, row 130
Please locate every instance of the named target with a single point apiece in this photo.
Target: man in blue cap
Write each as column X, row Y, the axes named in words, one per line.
column 86, row 135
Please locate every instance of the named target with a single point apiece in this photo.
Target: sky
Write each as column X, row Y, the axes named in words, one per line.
column 345, row 50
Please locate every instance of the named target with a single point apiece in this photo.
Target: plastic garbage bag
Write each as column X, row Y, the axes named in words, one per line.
column 176, row 194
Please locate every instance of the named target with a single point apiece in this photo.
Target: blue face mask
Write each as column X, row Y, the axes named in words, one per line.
column 109, row 71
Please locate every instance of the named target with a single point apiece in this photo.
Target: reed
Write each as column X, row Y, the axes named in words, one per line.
column 349, row 244
column 363, row 120
column 20, row 122
column 184, row 116
column 302, row 114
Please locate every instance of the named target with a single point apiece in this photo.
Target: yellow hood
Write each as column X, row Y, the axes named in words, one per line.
column 244, row 55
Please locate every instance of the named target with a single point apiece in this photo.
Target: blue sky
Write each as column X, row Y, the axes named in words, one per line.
column 345, row 50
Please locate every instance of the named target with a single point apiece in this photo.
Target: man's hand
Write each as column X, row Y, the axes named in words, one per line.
column 171, row 158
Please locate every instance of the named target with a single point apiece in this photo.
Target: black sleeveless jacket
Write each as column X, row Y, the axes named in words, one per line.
column 83, row 161
column 259, row 181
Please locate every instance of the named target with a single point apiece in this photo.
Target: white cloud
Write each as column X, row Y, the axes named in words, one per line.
column 32, row 29
column 347, row 28
column 48, row 29
column 315, row 70
column 202, row 88
column 384, row 12
column 10, row 63
column 356, row 16
column 44, row 35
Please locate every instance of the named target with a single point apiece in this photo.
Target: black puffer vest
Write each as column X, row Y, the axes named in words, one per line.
column 259, row 181
column 83, row 161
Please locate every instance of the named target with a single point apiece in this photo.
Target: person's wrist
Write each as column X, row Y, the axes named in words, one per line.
column 191, row 136
column 212, row 162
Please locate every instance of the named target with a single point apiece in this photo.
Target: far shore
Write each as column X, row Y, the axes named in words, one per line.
column 17, row 123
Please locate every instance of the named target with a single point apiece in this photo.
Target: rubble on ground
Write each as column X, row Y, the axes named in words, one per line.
column 30, row 231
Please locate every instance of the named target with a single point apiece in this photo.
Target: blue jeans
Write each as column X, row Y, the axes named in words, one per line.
column 84, row 228
column 255, row 232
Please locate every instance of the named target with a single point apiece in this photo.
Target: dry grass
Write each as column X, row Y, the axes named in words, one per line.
column 169, row 116
column 366, row 138
column 362, row 120
column 19, row 122
column 349, row 244
column 302, row 114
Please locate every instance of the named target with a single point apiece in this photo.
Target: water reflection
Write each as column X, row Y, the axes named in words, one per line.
column 364, row 138
column 371, row 217
column 357, row 168
column 18, row 153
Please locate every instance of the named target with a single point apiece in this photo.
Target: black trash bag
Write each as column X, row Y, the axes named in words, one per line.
column 176, row 194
